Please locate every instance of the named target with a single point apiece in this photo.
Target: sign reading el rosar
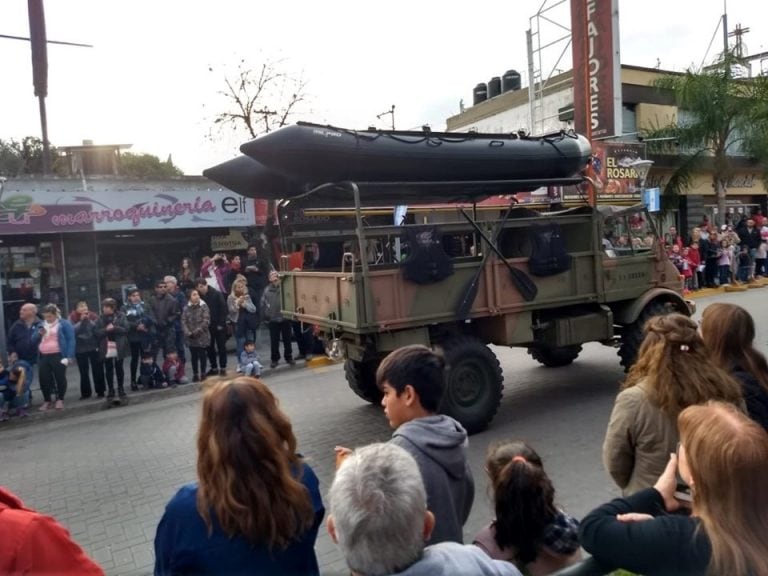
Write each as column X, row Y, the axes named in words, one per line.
column 615, row 174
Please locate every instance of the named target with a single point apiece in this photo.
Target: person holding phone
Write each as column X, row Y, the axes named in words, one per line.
column 723, row 457
column 55, row 339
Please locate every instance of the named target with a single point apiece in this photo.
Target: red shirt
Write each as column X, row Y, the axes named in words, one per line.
column 31, row 543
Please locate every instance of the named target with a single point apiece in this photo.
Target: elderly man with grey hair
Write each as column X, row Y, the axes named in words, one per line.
column 380, row 521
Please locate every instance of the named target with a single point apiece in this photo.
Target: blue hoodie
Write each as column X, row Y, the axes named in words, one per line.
column 183, row 545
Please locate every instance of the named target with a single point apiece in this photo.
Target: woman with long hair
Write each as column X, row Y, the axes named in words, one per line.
column 674, row 370
column 529, row 530
column 728, row 331
column 723, row 457
column 243, row 313
column 187, row 275
column 256, row 507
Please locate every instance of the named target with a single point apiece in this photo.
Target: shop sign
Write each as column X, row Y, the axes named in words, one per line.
column 230, row 242
column 596, row 68
column 41, row 211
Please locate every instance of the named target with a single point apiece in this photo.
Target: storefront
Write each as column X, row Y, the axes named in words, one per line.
column 63, row 240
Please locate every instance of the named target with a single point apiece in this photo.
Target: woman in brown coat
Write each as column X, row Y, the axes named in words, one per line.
column 196, row 322
column 673, row 371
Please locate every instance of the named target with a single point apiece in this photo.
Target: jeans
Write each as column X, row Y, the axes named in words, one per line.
column 725, row 274
column 278, row 330
column 112, row 367
column 198, row 360
column 53, row 376
column 218, row 344
column 90, row 360
column 744, row 273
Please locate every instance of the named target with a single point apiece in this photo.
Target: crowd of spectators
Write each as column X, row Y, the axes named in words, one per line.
column 189, row 316
column 710, row 256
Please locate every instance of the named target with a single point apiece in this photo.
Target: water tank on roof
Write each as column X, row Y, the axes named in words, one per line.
column 510, row 81
column 494, row 87
column 480, row 93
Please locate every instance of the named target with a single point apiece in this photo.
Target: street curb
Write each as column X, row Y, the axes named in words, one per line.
column 83, row 407
column 707, row 292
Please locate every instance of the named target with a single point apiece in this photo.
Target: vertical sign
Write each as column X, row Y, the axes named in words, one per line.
column 596, row 67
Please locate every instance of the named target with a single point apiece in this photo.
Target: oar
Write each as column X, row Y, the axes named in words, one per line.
column 520, row 279
column 470, row 293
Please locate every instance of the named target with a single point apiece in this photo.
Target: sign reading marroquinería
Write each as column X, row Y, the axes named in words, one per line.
column 28, row 206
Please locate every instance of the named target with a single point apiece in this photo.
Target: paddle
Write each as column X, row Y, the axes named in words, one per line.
column 520, row 279
column 465, row 304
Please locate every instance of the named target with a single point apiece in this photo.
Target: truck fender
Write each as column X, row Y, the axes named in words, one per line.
column 628, row 312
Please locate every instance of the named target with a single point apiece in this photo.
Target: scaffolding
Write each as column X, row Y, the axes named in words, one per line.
column 547, row 34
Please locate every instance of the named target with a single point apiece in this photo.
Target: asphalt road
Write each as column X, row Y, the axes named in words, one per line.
column 108, row 476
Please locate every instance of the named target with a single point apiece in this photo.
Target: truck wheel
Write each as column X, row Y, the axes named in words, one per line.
column 473, row 384
column 555, row 357
column 632, row 334
column 361, row 377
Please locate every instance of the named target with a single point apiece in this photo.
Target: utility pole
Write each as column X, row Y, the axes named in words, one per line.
column 390, row 113
column 39, row 41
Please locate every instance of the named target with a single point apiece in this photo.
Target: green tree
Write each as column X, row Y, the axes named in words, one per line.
column 147, row 166
column 25, row 156
column 716, row 121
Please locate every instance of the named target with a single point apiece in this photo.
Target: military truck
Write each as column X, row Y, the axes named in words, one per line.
column 548, row 280
column 615, row 276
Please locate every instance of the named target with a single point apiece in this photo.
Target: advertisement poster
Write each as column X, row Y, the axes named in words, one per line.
column 615, row 175
column 43, row 211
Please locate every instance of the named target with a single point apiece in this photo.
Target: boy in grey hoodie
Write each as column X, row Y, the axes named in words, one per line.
column 412, row 379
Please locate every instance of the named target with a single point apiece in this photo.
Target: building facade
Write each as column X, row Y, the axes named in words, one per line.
column 643, row 107
column 63, row 240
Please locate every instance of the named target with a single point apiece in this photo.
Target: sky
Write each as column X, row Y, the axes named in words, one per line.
column 153, row 76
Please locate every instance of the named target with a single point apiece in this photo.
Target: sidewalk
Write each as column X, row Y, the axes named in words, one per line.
column 737, row 287
column 74, row 407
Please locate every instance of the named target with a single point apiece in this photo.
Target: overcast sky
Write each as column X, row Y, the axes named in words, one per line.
column 147, row 82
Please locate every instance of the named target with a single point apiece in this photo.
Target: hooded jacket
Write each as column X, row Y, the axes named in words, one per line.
column 438, row 443
column 31, row 543
column 449, row 559
column 217, row 306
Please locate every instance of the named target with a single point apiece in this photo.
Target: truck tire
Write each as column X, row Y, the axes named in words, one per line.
column 361, row 377
column 474, row 383
column 632, row 335
column 555, row 357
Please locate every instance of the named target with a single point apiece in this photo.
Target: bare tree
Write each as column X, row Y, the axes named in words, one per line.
column 260, row 99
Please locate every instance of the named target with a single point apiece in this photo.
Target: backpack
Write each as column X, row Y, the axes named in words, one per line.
column 548, row 253
column 427, row 261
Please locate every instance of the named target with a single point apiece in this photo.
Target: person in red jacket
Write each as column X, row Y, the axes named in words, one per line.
column 31, row 543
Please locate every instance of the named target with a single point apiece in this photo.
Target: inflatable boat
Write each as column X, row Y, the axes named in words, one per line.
column 254, row 180
column 314, row 153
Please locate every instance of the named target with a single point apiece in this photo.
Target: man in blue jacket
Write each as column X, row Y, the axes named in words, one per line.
column 20, row 342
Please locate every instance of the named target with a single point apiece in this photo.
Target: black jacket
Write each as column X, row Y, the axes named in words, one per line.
column 755, row 396
column 668, row 545
column 217, row 306
column 750, row 238
column 164, row 310
column 20, row 340
column 257, row 281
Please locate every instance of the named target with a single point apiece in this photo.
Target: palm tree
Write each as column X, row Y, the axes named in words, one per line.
column 719, row 116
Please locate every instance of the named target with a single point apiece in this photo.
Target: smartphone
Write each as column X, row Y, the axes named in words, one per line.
column 683, row 491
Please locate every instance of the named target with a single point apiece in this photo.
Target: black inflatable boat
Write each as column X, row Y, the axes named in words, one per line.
column 319, row 154
column 251, row 179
